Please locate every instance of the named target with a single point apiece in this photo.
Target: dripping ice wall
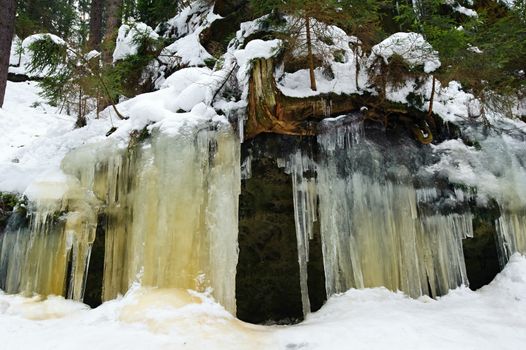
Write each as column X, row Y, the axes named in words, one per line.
column 171, row 204
column 376, row 226
column 56, row 236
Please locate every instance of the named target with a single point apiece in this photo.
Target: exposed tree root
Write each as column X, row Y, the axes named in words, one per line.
column 270, row 111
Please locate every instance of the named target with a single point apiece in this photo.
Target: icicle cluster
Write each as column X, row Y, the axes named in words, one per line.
column 171, row 206
column 35, row 257
column 373, row 230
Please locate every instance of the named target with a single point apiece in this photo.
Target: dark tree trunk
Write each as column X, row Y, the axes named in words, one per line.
column 310, row 56
column 432, row 98
column 95, row 25
column 113, row 22
column 7, row 29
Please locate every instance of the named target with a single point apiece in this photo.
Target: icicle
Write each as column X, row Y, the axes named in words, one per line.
column 426, row 195
column 241, row 126
column 14, row 242
column 511, row 234
column 442, row 246
column 35, row 256
column 246, row 168
column 80, row 233
column 305, row 214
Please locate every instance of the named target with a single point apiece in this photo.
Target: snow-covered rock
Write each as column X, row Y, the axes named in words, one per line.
column 128, row 39
column 412, row 47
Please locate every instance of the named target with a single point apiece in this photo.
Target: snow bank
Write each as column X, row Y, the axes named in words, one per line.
column 490, row 318
column 493, row 317
column 35, row 137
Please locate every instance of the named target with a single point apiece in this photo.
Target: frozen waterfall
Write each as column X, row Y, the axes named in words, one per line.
column 171, row 206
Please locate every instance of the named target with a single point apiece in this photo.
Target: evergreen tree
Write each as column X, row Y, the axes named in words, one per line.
column 485, row 53
column 37, row 16
column 153, row 12
column 359, row 17
column 74, row 79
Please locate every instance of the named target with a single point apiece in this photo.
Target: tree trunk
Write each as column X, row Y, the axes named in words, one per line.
column 310, row 57
column 95, row 25
column 7, row 29
column 432, row 98
column 113, row 22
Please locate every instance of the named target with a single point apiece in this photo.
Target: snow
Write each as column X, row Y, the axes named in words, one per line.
column 344, row 69
column 490, row 318
column 186, row 28
column 128, row 39
column 509, row 3
column 189, row 50
column 186, row 50
column 493, row 317
column 189, row 19
column 412, row 47
column 462, row 9
column 494, row 168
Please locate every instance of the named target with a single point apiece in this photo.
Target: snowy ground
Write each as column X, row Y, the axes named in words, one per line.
column 493, row 317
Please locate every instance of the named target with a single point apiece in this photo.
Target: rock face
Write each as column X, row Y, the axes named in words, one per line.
column 215, row 38
column 7, row 203
column 267, row 275
column 226, row 7
column 480, row 252
column 268, row 287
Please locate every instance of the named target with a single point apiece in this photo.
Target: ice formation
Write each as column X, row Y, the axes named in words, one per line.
column 496, row 171
column 375, row 228
column 171, row 210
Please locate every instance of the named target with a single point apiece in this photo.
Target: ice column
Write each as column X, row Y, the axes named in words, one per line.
column 511, row 234
column 302, row 168
column 171, row 205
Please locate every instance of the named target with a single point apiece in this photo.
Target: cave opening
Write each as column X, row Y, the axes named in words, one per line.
column 268, row 281
column 480, row 252
column 93, row 291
